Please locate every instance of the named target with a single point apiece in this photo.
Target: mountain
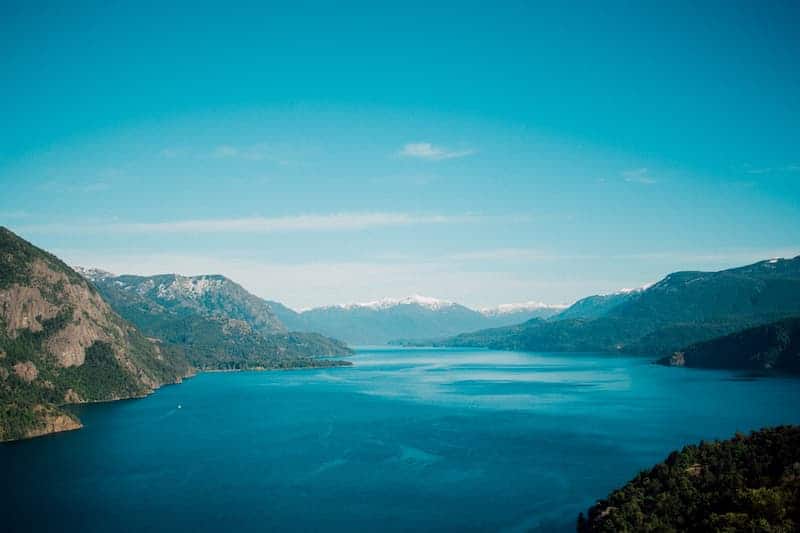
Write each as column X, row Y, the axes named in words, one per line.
column 596, row 306
column 681, row 309
column 290, row 318
column 61, row 343
column 508, row 314
column 774, row 346
column 210, row 296
column 213, row 322
column 381, row 321
column 389, row 319
column 744, row 484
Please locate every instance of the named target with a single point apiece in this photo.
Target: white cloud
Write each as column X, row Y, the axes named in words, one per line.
column 259, row 225
column 638, row 175
column 424, row 150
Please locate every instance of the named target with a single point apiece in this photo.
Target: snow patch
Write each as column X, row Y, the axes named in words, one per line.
column 93, row 274
column 188, row 287
column 427, row 302
column 628, row 290
column 505, row 309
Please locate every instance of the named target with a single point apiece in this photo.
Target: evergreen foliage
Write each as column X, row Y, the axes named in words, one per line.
column 744, row 484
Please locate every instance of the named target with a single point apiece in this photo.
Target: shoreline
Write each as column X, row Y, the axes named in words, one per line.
column 63, row 411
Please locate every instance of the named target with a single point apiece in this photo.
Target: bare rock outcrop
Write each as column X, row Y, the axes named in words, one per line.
column 53, row 422
column 72, row 397
column 26, row 371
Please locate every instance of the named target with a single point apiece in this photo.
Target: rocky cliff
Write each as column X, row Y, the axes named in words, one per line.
column 60, row 343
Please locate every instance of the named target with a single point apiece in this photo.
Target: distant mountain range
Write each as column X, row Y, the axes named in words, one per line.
column 681, row 309
column 389, row 319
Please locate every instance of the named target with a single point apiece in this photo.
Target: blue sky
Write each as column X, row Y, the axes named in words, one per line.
column 331, row 152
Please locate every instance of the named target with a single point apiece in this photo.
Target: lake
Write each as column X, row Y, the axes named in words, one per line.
column 406, row 439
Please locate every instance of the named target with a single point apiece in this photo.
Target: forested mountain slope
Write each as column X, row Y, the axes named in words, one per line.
column 61, row 343
column 213, row 322
column 681, row 309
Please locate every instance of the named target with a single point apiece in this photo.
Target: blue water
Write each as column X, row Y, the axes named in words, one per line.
column 407, row 439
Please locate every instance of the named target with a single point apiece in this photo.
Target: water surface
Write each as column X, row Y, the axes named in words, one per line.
column 407, row 439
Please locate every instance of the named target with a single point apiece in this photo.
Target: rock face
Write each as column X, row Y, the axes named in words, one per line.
column 62, row 343
column 26, row 371
column 52, row 422
column 676, row 359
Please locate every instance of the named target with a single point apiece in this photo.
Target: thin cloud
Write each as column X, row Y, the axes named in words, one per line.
column 260, row 225
column 424, row 150
column 98, row 186
column 256, row 152
column 59, row 187
column 225, row 151
column 505, row 254
column 774, row 170
column 169, row 153
column 732, row 256
column 14, row 214
column 638, row 175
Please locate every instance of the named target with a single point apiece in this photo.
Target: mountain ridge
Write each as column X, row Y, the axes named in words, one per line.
column 388, row 319
column 681, row 309
column 215, row 322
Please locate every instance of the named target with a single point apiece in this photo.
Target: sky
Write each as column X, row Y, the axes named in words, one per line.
column 331, row 152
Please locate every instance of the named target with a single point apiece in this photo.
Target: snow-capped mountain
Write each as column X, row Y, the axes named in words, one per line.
column 93, row 274
column 412, row 317
column 210, row 296
column 433, row 304
column 541, row 308
column 517, row 313
column 371, row 322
